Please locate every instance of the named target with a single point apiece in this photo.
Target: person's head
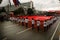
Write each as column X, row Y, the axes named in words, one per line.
column 32, row 19
column 26, row 17
column 45, row 20
column 12, row 11
column 38, row 20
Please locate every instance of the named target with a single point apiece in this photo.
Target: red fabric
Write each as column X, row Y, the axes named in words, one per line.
column 16, row 2
column 41, row 18
column 24, row 17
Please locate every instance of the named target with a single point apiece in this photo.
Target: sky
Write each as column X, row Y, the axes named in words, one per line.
column 4, row 3
column 39, row 5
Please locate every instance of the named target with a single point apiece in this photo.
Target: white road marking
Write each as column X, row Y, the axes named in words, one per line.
column 55, row 31
column 23, row 31
column 11, row 26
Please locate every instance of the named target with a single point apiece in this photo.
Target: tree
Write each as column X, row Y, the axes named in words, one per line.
column 19, row 11
column 30, row 11
column 0, row 1
column 2, row 10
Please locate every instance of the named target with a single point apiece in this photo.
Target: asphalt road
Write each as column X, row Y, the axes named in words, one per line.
column 13, row 31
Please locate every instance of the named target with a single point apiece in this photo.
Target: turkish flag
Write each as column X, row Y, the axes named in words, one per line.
column 16, row 2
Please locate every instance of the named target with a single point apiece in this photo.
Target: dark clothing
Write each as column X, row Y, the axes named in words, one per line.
column 22, row 23
column 32, row 26
column 1, row 18
column 38, row 28
column 26, row 25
